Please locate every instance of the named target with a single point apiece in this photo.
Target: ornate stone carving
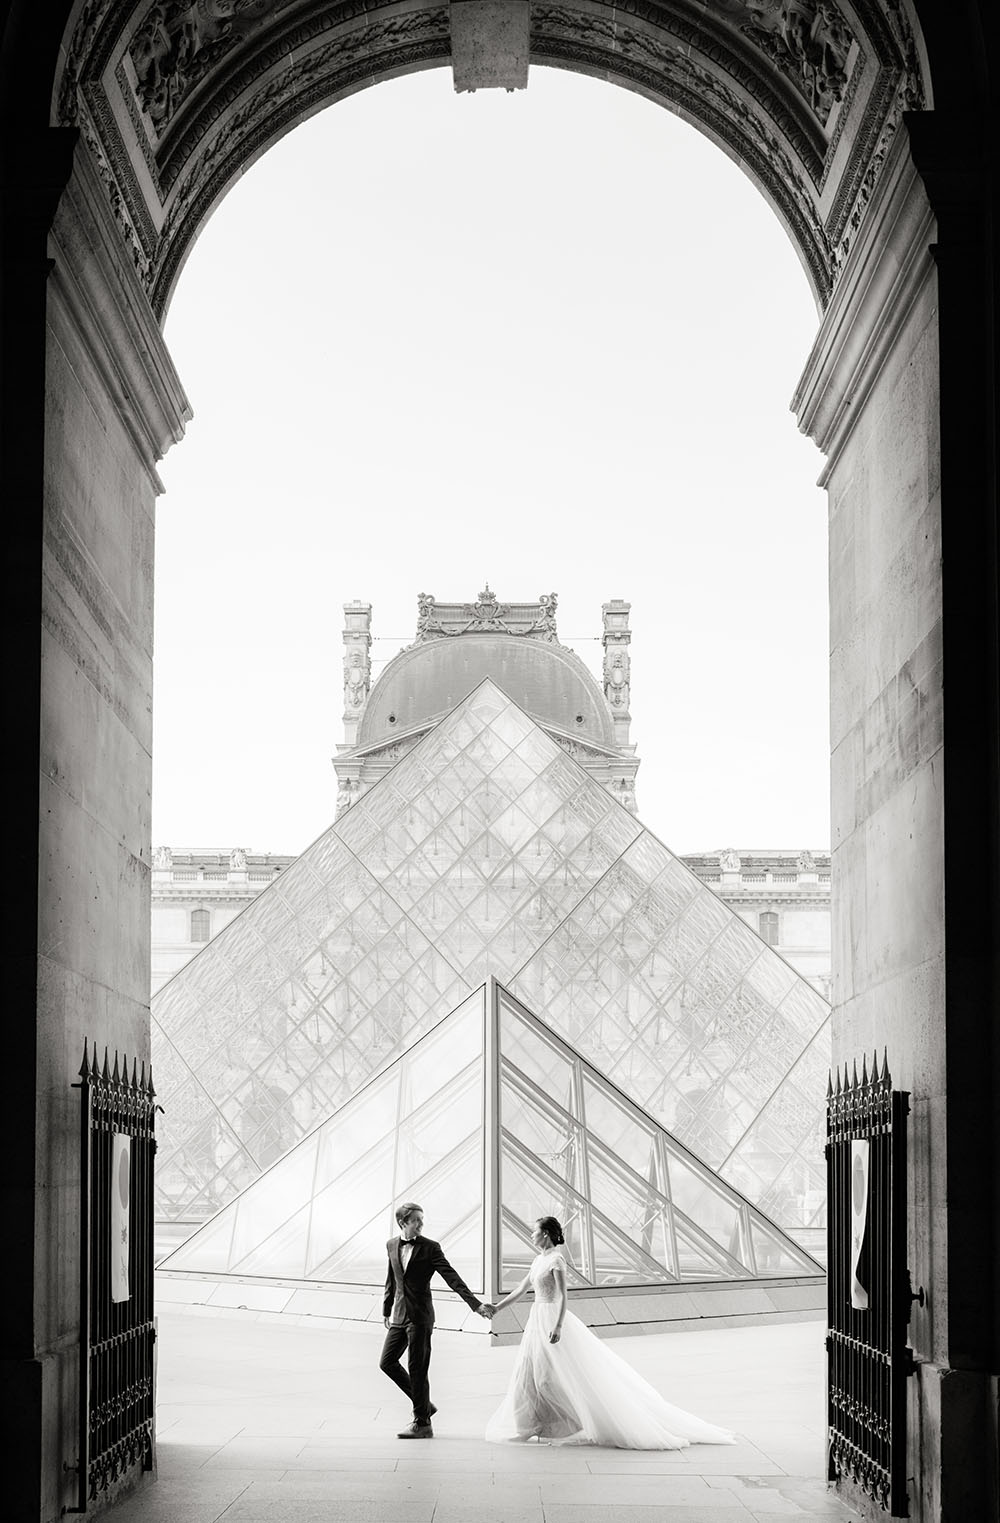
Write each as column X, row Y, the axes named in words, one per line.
column 808, row 40
column 80, row 47
column 845, row 222
column 348, row 793
column 579, row 751
column 425, row 614
column 546, row 625
column 806, row 862
column 436, row 620
column 616, row 679
column 178, row 41
column 724, row 62
column 163, row 858
column 237, row 860
column 397, row 42
column 729, row 860
column 355, row 680
column 623, row 789
column 120, row 210
column 661, row 68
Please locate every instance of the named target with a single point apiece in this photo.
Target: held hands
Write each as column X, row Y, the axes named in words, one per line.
column 486, row 1310
column 555, row 1335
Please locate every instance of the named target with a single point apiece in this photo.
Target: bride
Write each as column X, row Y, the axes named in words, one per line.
column 569, row 1386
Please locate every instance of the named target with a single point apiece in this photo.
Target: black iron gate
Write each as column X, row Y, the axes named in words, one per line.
column 116, row 1273
column 869, row 1293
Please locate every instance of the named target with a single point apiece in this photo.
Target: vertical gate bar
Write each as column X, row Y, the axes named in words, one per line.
column 885, row 1283
column 901, row 1305
column 83, row 1415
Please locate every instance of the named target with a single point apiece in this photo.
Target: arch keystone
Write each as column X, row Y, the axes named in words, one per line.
column 489, row 44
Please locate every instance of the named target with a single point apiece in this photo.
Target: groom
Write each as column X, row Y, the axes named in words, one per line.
column 408, row 1312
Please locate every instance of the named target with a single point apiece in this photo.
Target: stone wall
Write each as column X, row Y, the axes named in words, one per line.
column 870, row 398
column 112, row 405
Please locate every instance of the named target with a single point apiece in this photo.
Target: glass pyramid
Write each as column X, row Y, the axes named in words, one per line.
column 489, row 1121
column 488, row 852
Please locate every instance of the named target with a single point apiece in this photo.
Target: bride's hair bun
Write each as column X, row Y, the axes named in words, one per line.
column 550, row 1225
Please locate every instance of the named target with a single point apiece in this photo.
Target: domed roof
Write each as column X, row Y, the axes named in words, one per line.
column 545, row 679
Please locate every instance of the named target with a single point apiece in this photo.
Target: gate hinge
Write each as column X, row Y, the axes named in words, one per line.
column 919, row 1295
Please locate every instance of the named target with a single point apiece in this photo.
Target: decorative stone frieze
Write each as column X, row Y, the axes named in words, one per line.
column 175, row 45
column 488, row 614
column 176, row 98
column 809, row 41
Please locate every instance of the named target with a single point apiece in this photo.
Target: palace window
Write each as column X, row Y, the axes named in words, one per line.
column 199, row 925
column 767, row 924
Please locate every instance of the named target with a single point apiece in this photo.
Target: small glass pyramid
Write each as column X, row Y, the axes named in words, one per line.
column 488, row 852
column 489, row 1121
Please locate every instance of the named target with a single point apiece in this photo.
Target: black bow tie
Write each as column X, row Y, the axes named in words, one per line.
column 407, row 1242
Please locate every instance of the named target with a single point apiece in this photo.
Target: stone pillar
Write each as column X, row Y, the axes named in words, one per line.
column 894, row 395
column 90, row 428
column 616, row 640
column 357, row 665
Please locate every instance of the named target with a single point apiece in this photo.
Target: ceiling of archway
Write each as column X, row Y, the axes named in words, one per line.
column 176, row 97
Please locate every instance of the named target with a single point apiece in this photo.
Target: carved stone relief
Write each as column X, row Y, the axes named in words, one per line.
column 398, row 41
column 709, row 100
column 617, row 668
column 486, row 614
column 765, row 76
column 356, row 679
column 179, row 41
column 807, row 40
column 140, row 249
column 348, row 793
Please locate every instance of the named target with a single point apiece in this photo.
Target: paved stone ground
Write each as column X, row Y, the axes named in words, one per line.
column 265, row 1422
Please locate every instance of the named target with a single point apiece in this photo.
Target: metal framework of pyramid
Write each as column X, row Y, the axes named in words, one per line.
column 489, row 1121
column 488, row 852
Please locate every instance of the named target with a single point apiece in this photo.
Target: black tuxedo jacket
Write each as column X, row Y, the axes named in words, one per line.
column 410, row 1293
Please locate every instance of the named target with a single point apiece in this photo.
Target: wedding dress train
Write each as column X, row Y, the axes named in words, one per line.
column 580, row 1391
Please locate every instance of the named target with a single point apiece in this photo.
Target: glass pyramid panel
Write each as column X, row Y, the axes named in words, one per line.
column 643, row 1208
column 488, row 852
column 637, row 1207
column 324, row 1211
column 676, row 999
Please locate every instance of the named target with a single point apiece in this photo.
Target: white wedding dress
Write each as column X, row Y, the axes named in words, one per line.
column 579, row 1391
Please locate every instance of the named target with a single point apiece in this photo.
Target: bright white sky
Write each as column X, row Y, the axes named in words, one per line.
column 546, row 339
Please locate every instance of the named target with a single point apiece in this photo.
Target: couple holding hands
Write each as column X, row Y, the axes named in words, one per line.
column 566, row 1385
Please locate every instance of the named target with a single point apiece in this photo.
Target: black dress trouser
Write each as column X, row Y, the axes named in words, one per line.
column 413, row 1382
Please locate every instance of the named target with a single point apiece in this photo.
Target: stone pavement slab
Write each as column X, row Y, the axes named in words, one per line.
column 260, row 1422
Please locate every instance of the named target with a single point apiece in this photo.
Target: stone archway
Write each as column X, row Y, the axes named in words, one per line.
column 124, row 124
column 174, row 102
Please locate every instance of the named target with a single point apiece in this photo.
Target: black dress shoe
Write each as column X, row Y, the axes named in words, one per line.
column 417, row 1430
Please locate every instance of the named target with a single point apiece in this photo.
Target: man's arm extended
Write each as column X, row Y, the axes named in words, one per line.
column 454, row 1281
